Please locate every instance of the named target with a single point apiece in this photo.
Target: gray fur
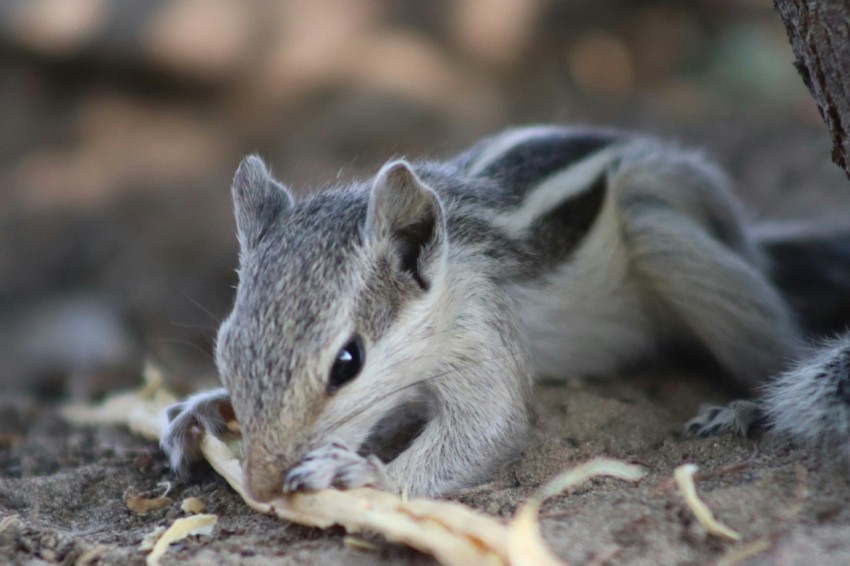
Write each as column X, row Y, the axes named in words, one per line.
column 543, row 250
column 258, row 200
column 811, row 402
column 187, row 420
column 738, row 417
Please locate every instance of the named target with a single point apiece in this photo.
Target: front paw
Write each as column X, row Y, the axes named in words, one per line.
column 187, row 421
column 335, row 465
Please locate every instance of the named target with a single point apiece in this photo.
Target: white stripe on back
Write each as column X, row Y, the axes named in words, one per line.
column 556, row 188
column 506, row 142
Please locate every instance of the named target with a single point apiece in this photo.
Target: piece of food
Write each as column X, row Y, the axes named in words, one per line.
column 451, row 532
column 684, row 476
column 192, row 505
column 525, row 543
column 201, row 525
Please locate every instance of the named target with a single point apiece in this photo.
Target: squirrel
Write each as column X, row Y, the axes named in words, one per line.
column 387, row 333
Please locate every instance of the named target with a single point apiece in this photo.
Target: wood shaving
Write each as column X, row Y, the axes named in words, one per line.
column 149, row 540
column 738, row 555
column 166, row 487
column 142, row 410
column 91, row 556
column 525, row 543
column 141, row 505
column 181, row 528
column 192, row 505
column 451, row 532
column 358, row 543
column 684, row 476
column 9, row 523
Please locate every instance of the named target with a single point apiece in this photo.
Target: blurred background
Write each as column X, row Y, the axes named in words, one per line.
column 121, row 123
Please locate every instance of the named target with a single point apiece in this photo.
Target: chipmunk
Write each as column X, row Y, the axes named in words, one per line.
column 387, row 332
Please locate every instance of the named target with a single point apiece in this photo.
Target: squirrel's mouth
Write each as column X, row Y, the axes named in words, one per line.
column 264, row 483
column 265, row 471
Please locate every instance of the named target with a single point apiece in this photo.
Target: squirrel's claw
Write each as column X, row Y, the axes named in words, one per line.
column 187, row 422
column 738, row 417
column 335, row 465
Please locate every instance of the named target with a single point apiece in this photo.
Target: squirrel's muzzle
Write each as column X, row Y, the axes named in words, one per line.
column 264, row 478
column 265, row 471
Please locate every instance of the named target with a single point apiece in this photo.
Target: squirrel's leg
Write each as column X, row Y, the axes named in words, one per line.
column 725, row 302
column 458, row 448
column 810, row 402
column 482, row 411
column 738, row 417
column 689, row 250
column 711, row 289
column 479, row 396
column 188, row 420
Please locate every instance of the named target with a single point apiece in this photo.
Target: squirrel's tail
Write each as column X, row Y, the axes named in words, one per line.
column 812, row 401
column 811, row 267
column 810, row 264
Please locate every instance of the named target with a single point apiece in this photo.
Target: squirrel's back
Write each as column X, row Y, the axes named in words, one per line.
column 619, row 243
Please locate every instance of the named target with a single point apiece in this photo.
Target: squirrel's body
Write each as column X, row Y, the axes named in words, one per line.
column 422, row 302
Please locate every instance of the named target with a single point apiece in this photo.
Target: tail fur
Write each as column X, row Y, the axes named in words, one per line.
column 810, row 264
column 688, row 247
column 811, row 402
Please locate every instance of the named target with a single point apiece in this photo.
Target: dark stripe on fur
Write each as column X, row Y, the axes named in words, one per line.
column 530, row 162
column 557, row 234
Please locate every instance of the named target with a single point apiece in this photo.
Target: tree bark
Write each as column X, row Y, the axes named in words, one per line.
column 819, row 32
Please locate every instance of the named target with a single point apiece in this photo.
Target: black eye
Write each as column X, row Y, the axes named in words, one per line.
column 349, row 362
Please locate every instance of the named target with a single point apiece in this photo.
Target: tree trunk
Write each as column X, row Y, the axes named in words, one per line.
column 819, row 32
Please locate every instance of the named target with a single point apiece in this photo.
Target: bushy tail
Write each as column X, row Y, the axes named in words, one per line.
column 811, row 266
column 812, row 401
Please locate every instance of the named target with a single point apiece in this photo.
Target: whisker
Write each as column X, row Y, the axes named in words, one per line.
column 200, row 306
column 195, row 326
column 182, row 343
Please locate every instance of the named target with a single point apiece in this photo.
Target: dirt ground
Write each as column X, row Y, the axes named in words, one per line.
column 63, row 491
column 116, row 244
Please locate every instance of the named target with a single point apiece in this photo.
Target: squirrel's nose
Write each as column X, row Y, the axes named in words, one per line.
column 264, row 476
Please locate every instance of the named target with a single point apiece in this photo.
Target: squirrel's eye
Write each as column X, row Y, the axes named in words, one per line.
column 349, row 362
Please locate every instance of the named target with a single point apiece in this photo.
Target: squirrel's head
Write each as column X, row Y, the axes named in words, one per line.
column 331, row 307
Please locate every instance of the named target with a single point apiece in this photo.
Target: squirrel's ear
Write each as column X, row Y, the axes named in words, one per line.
column 407, row 215
column 258, row 201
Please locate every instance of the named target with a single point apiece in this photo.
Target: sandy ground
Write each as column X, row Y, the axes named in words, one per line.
column 63, row 491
